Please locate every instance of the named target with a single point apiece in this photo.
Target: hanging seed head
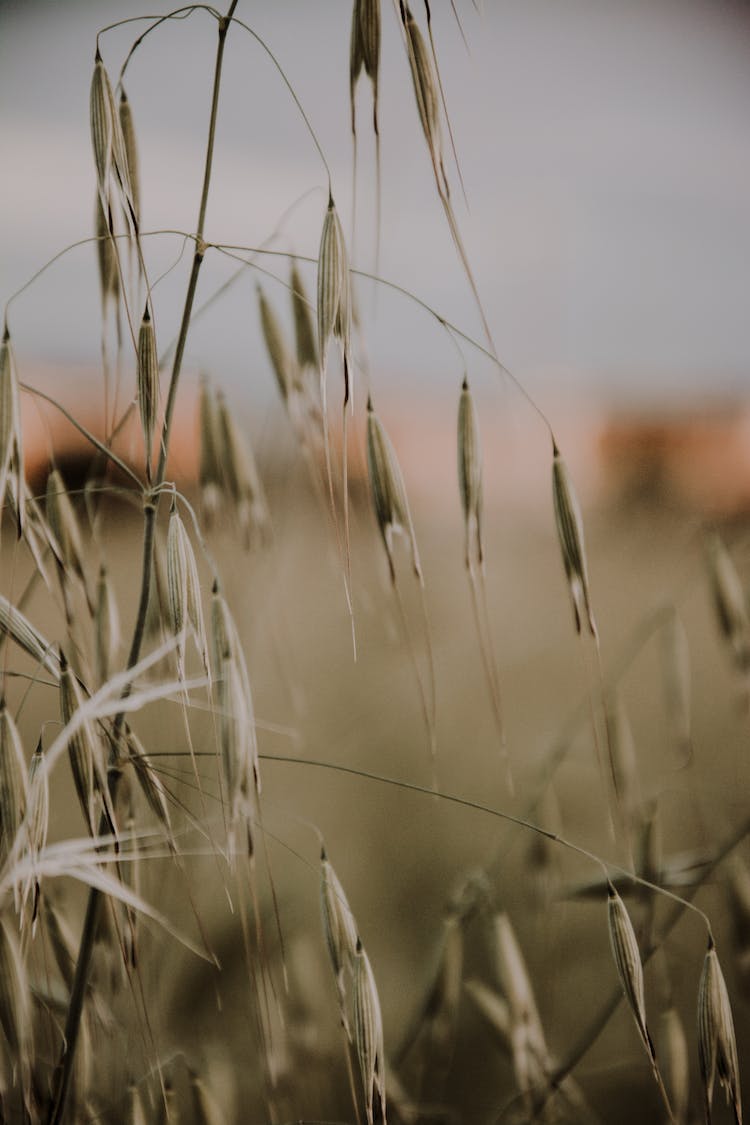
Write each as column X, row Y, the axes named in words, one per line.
column 38, row 817
column 63, row 523
column 211, row 476
column 729, row 601
column 243, row 479
column 278, row 353
column 356, row 61
column 206, row 1109
column 628, row 963
column 183, row 590
column 570, row 534
column 334, row 305
column 426, row 90
column 101, row 105
column 109, row 277
column 388, row 491
column 340, row 931
column 151, row 784
column 13, row 781
column 107, row 626
column 624, row 760
column 675, row 1064
column 148, row 382
column 304, row 330
column 130, row 149
column 14, row 624
column 368, row 12
column 84, row 747
column 226, row 645
column 717, row 1046
column 10, row 426
column 368, row 1035
column 470, row 471
column 676, row 671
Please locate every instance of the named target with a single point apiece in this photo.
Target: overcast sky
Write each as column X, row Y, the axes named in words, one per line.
column 605, row 146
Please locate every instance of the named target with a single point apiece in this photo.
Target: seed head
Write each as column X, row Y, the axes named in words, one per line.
column 717, row 1046
column 368, row 1034
column 570, row 534
column 470, row 471
column 388, row 492
column 628, row 962
column 148, row 383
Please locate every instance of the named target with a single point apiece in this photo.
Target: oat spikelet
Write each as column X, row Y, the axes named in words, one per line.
column 673, row 1052
column 334, row 303
column 388, row 492
column 13, row 781
column 84, row 749
column 368, row 1035
column 38, row 805
column 12, row 484
column 729, row 601
column 278, row 352
column 151, row 784
column 426, row 91
column 109, row 276
column 242, row 477
column 210, row 476
column 206, row 1109
column 470, row 473
column 676, row 671
column 63, row 523
column 226, row 644
column 364, row 52
column 148, row 384
column 102, row 124
column 27, row 636
column 340, row 931
column 717, row 1046
column 107, row 626
column 629, row 967
column 624, row 762
column 130, row 150
column 304, row 329
column 570, row 533
column 183, row 591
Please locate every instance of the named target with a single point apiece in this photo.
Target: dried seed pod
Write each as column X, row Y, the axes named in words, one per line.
column 148, row 383
column 236, row 751
column 12, row 484
column 304, row 330
column 109, row 275
column 211, row 477
column 334, row 303
column 278, row 353
column 183, row 591
column 243, row 479
column 151, row 784
column 717, row 1046
column 101, row 105
column 226, row 644
column 130, row 150
column 675, row 1064
column 470, row 472
column 63, row 523
column 13, row 781
column 676, row 670
column 107, row 626
column 368, row 1035
column 729, row 601
column 570, row 533
column 38, row 802
column 84, row 748
column 426, row 89
column 629, row 967
column 340, row 931
column 388, row 492
column 27, row 636
column 206, row 1109
column 624, row 761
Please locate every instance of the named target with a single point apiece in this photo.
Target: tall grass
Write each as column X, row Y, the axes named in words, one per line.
column 233, row 885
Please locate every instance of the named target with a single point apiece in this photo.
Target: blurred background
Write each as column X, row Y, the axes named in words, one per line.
column 605, row 154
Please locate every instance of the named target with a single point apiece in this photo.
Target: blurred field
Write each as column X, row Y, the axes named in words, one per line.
column 400, row 854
